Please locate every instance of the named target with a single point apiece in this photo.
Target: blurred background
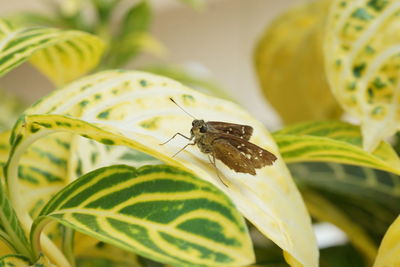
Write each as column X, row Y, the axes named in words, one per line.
column 216, row 40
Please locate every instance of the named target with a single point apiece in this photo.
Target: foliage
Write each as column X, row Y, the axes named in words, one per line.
column 282, row 52
column 87, row 157
column 125, row 38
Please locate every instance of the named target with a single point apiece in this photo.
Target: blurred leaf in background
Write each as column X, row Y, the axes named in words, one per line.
column 289, row 62
column 389, row 250
column 126, row 35
column 133, row 37
column 362, row 64
column 193, row 75
column 10, row 108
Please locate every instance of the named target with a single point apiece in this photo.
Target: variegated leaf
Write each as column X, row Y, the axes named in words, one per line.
column 363, row 202
column 335, row 142
column 62, row 55
column 133, row 109
column 54, row 161
column 157, row 211
column 12, row 231
column 362, row 58
column 389, row 251
column 14, row 261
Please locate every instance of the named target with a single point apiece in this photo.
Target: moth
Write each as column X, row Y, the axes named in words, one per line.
column 227, row 142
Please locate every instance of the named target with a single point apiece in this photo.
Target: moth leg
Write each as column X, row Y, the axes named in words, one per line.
column 180, row 150
column 184, row 136
column 212, row 161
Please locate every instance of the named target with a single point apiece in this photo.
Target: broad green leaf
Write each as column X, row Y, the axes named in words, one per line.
column 61, row 55
column 133, row 109
column 157, row 211
column 389, row 251
column 334, row 142
column 292, row 46
column 362, row 58
column 363, row 202
column 14, row 261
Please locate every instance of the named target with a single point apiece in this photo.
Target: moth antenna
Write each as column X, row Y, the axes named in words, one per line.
column 182, row 108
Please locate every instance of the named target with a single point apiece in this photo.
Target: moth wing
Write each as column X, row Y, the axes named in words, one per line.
column 232, row 157
column 258, row 156
column 241, row 131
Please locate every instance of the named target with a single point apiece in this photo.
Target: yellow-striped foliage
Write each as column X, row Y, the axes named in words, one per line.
column 362, row 64
column 157, row 211
column 335, row 142
column 62, row 55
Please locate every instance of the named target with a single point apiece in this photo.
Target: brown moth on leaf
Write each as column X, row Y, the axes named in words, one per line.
column 229, row 143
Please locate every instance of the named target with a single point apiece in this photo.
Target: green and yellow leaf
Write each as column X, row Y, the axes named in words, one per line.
column 11, row 230
column 289, row 62
column 62, row 55
column 133, row 109
column 48, row 165
column 362, row 59
column 157, row 211
column 334, row 142
column 363, row 202
column 14, row 261
column 389, row 251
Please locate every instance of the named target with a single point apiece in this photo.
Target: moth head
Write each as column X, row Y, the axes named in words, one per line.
column 199, row 127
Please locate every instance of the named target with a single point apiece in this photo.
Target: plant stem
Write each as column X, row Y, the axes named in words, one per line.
column 50, row 249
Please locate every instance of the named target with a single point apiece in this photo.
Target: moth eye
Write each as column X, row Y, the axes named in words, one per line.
column 192, row 123
column 203, row 129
